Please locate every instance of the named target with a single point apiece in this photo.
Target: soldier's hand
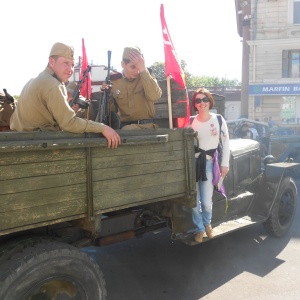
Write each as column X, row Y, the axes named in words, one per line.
column 113, row 139
column 137, row 60
column 75, row 107
column 104, row 87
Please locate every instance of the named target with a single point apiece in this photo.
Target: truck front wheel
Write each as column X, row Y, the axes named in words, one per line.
column 284, row 209
column 51, row 270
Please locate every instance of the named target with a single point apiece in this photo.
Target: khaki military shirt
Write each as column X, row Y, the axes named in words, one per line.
column 43, row 106
column 135, row 97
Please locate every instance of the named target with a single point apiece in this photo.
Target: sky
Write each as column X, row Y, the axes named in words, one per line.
column 204, row 34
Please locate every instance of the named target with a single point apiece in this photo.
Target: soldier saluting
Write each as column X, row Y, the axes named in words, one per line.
column 134, row 93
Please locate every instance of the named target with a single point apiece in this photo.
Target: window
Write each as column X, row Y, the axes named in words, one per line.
column 288, row 107
column 296, row 11
column 291, row 63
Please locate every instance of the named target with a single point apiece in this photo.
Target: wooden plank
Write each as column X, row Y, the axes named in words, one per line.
column 178, row 110
column 41, row 169
column 136, row 170
column 136, row 159
column 16, row 158
column 37, row 214
column 45, row 145
column 173, row 134
column 26, row 136
column 153, row 148
column 33, row 135
column 150, row 193
column 133, row 183
column 41, row 182
column 44, row 197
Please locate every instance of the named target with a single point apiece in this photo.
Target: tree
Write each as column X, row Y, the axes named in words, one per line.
column 158, row 69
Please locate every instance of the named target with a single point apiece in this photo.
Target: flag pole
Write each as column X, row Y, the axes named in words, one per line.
column 87, row 114
column 172, row 66
column 169, row 102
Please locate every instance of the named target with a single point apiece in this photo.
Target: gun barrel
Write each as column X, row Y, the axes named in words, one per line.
column 103, row 110
column 76, row 93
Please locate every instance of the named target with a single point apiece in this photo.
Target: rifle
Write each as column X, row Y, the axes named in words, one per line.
column 104, row 115
column 75, row 97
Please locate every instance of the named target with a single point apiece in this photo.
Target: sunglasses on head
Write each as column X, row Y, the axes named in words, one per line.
column 205, row 100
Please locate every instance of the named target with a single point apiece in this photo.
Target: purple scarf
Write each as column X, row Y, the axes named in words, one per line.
column 217, row 176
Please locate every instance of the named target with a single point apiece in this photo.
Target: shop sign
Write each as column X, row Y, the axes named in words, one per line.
column 274, row 89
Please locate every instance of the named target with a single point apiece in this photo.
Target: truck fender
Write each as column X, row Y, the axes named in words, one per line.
column 277, row 180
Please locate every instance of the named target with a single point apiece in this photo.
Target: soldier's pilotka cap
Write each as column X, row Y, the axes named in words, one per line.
column 61, row 49
column 127, row 50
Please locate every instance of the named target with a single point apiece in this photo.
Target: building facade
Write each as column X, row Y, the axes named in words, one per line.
column 271, row 59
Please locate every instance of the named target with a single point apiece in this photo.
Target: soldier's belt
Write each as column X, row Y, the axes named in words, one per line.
column 145, row 121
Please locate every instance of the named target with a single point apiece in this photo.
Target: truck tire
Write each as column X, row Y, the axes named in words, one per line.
column 283, row 210
column 15, row 245
column 51, row 270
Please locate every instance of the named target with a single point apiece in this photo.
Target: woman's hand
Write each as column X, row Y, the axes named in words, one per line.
column 224, row 171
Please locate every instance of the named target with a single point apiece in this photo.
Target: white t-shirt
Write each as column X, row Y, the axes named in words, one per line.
column 208, row 136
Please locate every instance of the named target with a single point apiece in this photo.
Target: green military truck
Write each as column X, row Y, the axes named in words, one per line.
column 60, row 192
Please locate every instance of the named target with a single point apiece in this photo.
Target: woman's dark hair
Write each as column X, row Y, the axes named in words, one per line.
column 205, row 92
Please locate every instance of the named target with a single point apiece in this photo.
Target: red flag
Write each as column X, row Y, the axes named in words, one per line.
column 86, row 88
column 172, row 66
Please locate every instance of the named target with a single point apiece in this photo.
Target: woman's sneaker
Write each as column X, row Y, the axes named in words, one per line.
column 199, row 237
column 209, row 231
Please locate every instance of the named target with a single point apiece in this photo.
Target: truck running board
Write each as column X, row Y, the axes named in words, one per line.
column 218, row 230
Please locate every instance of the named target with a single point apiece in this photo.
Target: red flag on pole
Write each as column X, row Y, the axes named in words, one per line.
column 86, row 88
column 172, row 66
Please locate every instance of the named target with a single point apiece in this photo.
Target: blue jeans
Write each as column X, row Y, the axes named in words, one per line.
column 202, row 213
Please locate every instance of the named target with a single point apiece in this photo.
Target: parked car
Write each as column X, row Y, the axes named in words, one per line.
column 280, row 131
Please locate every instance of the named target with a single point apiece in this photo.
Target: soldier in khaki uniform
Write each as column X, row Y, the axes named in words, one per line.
column 43, row 101
column 134, row 94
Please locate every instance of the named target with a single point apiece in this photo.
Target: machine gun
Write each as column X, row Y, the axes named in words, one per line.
column 105, row 115
column 75, row 97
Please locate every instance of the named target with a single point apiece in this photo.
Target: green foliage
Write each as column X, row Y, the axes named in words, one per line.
column 158, row 69
column 198, row 81
column 192, row 81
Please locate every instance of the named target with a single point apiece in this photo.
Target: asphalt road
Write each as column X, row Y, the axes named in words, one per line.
column 246, row 264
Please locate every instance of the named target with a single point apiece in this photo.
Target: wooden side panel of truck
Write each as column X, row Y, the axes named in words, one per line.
column 51, row 177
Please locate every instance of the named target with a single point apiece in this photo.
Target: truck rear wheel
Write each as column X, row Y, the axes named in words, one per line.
column 284, row 209
column 51, row 270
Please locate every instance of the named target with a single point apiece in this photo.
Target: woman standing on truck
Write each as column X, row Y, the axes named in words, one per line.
column 211, row 129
